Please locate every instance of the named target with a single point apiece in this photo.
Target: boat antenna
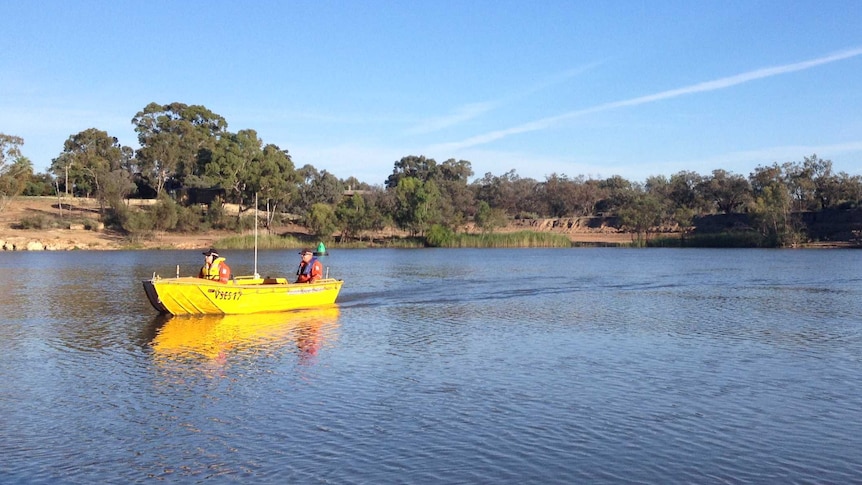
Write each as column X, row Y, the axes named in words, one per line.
column 256, row 275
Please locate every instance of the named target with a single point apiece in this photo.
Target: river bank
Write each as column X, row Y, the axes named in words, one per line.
column 74, row 226
column 78, row 229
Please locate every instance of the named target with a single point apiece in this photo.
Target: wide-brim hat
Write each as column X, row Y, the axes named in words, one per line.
column 306, row 250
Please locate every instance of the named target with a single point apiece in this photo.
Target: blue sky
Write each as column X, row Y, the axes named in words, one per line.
column 630, row 88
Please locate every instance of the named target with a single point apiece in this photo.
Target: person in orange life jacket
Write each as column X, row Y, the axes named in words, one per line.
column 214, row 267
column 310, row 268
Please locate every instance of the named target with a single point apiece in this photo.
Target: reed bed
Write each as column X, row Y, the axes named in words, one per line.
column 265, row 241
column 521, row 239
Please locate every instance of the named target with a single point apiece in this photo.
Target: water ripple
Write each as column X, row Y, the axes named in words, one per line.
column 539, row 366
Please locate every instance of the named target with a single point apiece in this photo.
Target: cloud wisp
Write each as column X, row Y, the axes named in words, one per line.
column 472, row 111
column 461, row 115
column 714, row 85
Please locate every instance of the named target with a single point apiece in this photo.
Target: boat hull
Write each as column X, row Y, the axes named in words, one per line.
column 195, row 296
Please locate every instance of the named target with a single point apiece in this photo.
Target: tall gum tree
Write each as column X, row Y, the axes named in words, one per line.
column 12, row 167
column 176, row 140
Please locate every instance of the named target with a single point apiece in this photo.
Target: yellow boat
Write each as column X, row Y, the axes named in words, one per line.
column 219, row 336
column 241, row 295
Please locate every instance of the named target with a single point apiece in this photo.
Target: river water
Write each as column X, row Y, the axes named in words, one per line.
column 600, row 365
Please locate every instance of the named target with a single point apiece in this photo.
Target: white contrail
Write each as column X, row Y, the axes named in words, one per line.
column 461, row 115
column 714, row 85
column 474, row 110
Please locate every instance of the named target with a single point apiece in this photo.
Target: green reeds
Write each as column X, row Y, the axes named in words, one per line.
column 266, row 241
column 521, row 239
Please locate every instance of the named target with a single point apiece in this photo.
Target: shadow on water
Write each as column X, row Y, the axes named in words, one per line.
column 151, row 329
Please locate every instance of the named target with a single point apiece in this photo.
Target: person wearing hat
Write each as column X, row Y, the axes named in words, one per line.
column 214, row 267
column 310, row 268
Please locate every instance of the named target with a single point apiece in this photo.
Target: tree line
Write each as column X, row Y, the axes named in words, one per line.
column 188, row 147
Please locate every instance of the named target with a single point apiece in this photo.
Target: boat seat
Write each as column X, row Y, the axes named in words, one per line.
column 274, row 281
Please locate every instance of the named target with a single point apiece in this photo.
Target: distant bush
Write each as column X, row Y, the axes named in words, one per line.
column 165, row 214
column 136, row 224
column 190, row 219
column 216, row 215
column 39, row 221
column 89, row 224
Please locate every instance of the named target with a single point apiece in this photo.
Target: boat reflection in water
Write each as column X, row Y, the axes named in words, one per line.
column 219, row 338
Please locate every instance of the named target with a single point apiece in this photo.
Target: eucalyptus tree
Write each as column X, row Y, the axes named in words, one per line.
column 660, row 188
column 38, row 184
column 494, row 190
column 274, row 180
column 576, row 196
column 764, row 176
column 10, row 150
column 352, row 183
column 353, row 216
column 828, row 188
column 559, row 195
column 457, row 201
column 231, row 165
column 321, row 220
column 728, row 192
column 641, row 214
column 685, row 199
column 512, row 194
column 12, row 168
column 616, row 191
column 772, row 215
column 489, row 218
column 379, row 207
column 849, row 190
column 317, row 187
column 416, row 204
column 800, row 184
column 417, row 167
column 176, row 140
column 525, row 194
column 684, row 192
column 95, row 163
column 775, row 188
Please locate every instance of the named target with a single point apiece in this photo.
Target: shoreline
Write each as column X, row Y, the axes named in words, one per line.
column 74, row 236
column 82, row 239
column 86, row 240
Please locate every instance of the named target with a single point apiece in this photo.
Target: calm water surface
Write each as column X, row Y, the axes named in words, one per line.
column 441, row 366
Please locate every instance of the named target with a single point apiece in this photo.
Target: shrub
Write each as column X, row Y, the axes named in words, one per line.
column 439, row 236
column 165, row 214
column 215, row 216
column 39, row 221
column 190, row 219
